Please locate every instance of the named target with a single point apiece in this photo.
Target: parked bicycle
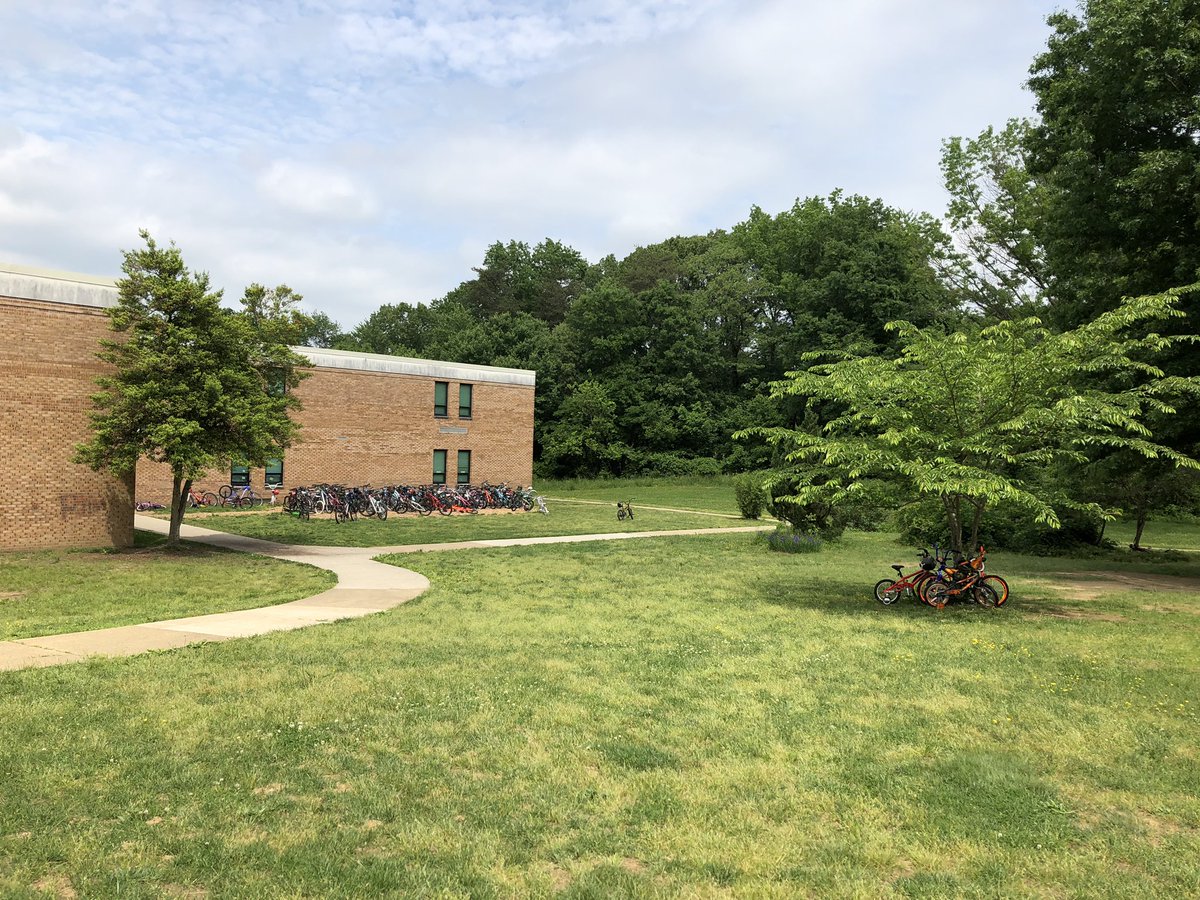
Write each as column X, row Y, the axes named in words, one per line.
column 242, row 497
column 197, row 499
column 943, row 578
column 624, row 511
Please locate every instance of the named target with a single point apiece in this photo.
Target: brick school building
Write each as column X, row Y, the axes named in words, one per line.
column 366, row 419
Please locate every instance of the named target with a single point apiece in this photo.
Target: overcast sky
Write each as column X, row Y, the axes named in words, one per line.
column 367, row 151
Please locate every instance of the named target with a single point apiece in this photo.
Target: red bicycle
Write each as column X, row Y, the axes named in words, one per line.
column 889, row 590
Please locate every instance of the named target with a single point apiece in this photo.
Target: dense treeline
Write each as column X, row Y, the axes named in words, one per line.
column 650, row 363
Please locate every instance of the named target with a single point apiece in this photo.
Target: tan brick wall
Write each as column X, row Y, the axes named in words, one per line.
column 48, row 367
column 379, row 428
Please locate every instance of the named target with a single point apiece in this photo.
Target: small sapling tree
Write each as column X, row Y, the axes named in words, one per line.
column 194, row 385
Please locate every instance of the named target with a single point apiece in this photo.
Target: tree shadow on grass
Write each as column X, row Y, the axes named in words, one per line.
column 849, row 598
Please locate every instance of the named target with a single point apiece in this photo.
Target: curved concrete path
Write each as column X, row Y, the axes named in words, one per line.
column 364, row 587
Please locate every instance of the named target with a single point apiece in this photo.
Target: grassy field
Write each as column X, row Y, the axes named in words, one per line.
column 710, row 494
column 1160, row 533
column 677, row 716
column 53, row 592
column 564, row 518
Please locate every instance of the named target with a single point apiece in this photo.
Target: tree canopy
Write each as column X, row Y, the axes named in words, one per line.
column 973, row 417
column 195, row 385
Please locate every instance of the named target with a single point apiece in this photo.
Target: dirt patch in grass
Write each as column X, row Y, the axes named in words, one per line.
column 1059, row 612
column 1090, row 585
column 633, row 866
column 1157, row 829
column 11, row 595
column 56, row 885
column 560, row 878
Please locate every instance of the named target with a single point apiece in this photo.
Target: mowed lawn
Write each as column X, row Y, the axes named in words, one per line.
column 714, row 494
column 678, row 716
column 57, row 591
column 397, row 530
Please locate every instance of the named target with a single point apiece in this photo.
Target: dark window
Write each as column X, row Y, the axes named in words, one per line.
column 464, row 466
column 440, row 391
column 239, row 475
column 464, row 401
column 439, row 466
column 274, row 472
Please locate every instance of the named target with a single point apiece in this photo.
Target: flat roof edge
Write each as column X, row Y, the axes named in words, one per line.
column 50, row 286
column 402, row 365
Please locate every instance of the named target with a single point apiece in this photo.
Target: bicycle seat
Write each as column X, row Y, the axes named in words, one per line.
column 899, row 569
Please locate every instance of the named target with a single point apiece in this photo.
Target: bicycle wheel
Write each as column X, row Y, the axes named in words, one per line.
column 225, row 490
column 886, row 592
column 985, row 595
column 208, row 498
column 999, row 585
column 936, row 594
column 383, row 512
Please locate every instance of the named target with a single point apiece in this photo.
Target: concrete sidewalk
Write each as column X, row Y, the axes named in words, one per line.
column 364, row 587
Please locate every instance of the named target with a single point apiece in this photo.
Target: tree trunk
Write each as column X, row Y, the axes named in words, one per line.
column 179, row 491
column 975, row 521
column 1142, row 515
column 954, row 520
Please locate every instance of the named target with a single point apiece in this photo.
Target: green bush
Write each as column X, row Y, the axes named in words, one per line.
column 670, row 465
column 871, row 508
column 813, row 518
column 751, row 494
column 786, row 539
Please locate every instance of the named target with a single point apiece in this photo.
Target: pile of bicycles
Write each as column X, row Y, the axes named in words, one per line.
column 348, row 503
column 942, row 578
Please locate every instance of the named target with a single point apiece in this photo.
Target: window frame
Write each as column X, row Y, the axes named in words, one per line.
column 460, row 471
column 239, row 475
column 444, row 454
column 441, row 410
column 469, row 389
column 267, row 472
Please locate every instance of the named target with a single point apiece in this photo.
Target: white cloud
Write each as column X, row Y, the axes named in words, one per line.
column 365, row 152
column 318, row 191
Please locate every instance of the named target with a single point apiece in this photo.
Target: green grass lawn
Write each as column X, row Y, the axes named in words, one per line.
column 564, row 518
column 1161, row 534
column 677, row 716
column 710, row 494
column 57, row 591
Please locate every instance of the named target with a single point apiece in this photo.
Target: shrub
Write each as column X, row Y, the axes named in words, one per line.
column 871, row 508
column 671, row 465
column 813, row 518
column 751, row 494
column 786, row 539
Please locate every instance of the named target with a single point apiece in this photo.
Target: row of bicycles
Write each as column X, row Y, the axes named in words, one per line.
column 944, row 577
column 348, row 503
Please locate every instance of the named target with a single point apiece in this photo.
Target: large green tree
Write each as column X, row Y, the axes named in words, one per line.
column 194, row 385
column 975, row 417
column 1116, row 151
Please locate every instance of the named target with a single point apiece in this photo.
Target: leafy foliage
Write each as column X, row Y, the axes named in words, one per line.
column 195, row 385
column 1117, row 151
column 751, row 494
column 972, row 419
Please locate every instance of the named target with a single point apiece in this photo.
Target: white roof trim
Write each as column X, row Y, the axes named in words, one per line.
column 399, row 365
column 50, row 286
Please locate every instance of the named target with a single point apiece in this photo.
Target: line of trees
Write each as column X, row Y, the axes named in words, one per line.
column 652, row 362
